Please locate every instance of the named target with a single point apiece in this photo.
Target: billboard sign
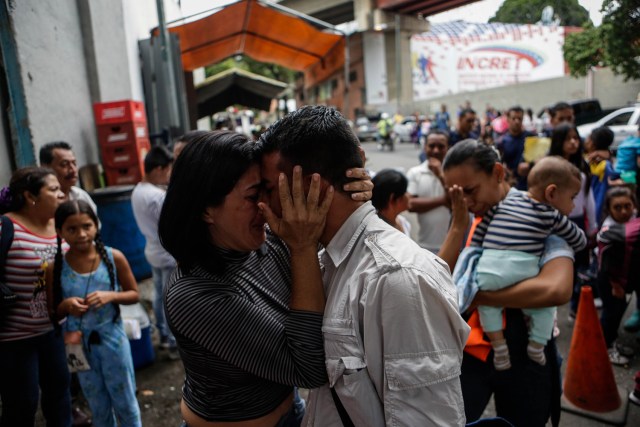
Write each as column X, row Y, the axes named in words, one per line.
column 462, row 57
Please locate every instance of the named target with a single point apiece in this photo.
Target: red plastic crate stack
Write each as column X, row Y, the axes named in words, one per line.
column 124, row 140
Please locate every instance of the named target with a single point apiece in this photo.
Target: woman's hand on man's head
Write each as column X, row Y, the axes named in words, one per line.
column 303, row 216
column 362, row 189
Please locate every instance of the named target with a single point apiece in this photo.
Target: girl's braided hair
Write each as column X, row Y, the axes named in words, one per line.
column 64, row 211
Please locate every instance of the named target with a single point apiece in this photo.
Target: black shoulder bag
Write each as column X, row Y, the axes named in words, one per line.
column 7, row 297
column 344, row 416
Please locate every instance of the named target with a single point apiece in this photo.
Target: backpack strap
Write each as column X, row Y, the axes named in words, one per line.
column 6, row 239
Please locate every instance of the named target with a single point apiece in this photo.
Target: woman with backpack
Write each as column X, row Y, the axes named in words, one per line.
column 32, row 353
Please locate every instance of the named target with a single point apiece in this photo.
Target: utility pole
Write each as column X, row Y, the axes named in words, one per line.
column 398, row 63
column 167, row 66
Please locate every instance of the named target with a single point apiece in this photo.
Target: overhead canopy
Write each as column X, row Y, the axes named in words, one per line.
column 236, row 86
column 423, row 7
column 265, row 34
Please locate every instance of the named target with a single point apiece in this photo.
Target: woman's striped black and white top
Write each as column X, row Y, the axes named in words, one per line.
column 520, row 223
column 243, row 350
column 25, row 268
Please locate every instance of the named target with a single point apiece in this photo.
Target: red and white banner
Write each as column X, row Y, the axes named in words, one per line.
column 462, row 57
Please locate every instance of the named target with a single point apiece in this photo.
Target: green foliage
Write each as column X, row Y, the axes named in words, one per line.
column 272, row 71
column 569, row 12
column 584, row 50
column 614, row 44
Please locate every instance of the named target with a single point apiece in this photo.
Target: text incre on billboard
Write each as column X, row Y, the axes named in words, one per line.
column 460, row 57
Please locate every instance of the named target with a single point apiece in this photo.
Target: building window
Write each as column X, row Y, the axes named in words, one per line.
column 353, row 76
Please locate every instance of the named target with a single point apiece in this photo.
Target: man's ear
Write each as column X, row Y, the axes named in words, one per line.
column 391, row 200
column 498, row 172
column 551, row 192
column 208, row 215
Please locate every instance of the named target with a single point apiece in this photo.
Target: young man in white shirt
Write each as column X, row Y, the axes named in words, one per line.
column 429, row 200
column 147, row 199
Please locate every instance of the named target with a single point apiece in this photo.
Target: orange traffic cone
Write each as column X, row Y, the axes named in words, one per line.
column 589, row 382
column 589, row 386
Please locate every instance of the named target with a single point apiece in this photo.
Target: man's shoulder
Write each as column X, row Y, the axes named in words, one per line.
column 145, row 190
column 631, row 141
column 394, row 250
column 416, row 170
column 78, row 193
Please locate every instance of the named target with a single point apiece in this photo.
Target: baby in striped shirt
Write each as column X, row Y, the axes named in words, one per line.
column 512, row 235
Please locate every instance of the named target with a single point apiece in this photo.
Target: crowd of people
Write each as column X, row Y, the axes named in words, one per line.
column 593, row 179
column 279, row 264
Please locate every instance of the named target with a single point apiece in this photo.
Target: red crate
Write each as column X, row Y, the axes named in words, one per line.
column 118, row 156
column 119, row 112
column 124, row 176
column 119, row 134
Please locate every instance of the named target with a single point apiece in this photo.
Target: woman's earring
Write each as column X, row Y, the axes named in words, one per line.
column 33, row 203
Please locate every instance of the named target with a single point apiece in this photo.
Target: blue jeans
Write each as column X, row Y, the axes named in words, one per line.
column 29, row 366
column 160, row 279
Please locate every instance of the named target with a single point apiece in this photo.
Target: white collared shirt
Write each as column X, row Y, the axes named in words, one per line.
column 392, row 333
column 147, row 200
column 77, row 193
column 435, row 223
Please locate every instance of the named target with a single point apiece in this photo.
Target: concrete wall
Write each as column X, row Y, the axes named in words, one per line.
column 611, row 90
column 54, row 75
column 74, row 53
column 105, row 47
column 5, row 154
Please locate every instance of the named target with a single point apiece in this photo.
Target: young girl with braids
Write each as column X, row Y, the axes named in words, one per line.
column 87, row 285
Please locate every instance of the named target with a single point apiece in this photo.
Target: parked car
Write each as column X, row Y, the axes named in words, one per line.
column 365, row 129
column 404, row 129
column 584, row 111
column 623, row 122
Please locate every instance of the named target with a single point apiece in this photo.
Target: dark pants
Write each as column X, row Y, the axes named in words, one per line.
column 612, row 310
column 582, row 268
column 29, row 366
column 527, row 394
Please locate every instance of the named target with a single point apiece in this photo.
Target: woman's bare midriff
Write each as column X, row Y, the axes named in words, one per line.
column 271, row 419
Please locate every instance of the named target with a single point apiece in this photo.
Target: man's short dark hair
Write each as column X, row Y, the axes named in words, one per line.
column 317, row 138
column 516, row 109
column 466, row 111
column 438, row 132
column 158, row 156
column 192, row 135
column 559, row 107
column 602, row 138
column 46, row 151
